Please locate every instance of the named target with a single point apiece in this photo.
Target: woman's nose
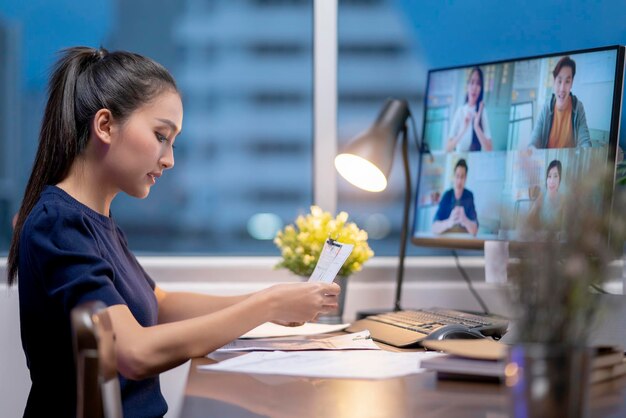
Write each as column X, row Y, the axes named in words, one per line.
column 167, row 159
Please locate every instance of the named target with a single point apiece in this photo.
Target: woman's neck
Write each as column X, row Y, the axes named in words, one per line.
column 553, row 195
column 85, row 186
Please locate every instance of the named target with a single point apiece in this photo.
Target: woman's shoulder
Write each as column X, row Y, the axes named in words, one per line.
column 55, row 209
column 460, row 111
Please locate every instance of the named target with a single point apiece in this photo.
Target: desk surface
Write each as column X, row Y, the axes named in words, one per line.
column 220, row 394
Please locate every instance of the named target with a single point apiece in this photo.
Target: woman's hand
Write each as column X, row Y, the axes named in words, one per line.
column 485, row 142
column 301, row 302
column 466, row 122
column 478, row 116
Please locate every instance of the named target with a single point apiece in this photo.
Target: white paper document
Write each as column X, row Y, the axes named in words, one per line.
column 333, row 255
column 357, row 364
column 355, row 341
column 270, row 329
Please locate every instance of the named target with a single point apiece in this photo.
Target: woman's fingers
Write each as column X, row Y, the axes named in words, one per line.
column 332, row 289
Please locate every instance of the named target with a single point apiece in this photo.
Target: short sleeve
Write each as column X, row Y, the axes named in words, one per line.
column 145, row 274
column 485, row 123
column 60, row 254
column 470, row 210
column 444, row 208
column 456, row 123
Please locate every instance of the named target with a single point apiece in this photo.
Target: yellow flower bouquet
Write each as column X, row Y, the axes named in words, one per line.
column 302, row 243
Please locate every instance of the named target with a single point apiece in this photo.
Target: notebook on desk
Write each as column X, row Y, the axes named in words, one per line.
column 486, row 360
column 410, row 327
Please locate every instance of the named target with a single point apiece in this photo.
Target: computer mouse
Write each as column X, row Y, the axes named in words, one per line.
column 454, row 332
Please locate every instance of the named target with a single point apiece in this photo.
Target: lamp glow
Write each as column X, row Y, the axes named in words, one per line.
column 361, row 172
column 366, row 162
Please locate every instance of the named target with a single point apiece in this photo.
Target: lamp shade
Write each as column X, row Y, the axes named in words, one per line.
column 366, row 161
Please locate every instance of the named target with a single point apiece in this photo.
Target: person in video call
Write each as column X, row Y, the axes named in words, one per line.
column 562, row 122
column 456, row 211
column 109, row 126
column 470, row 125
column 548, row 206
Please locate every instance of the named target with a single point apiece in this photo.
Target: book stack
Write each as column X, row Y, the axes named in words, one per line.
column 485, row 360
column 608, row 363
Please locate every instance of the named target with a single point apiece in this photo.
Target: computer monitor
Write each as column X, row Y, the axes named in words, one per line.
column 501, row 136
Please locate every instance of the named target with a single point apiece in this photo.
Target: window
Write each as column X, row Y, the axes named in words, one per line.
column 373, row 65
column 244, row 158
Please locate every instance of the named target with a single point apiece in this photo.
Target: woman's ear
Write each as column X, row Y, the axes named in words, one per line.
column 103, row 125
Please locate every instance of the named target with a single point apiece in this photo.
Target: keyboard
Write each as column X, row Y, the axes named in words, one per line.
column 409, row 327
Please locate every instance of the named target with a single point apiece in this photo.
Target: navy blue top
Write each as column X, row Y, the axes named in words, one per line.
column 448, row 202
column 70, row 254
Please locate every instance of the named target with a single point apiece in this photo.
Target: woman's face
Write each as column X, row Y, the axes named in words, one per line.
column 553, row 180
column 562, row 86
column 142, row 147
column 473, row 88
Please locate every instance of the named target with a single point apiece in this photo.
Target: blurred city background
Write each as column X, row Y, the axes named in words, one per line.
column 244, row 67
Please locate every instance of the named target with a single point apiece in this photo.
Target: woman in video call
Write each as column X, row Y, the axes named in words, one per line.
column 548, row 207
column 562, row 122
column 109, row 126
column 470, row 125
column 456, row 211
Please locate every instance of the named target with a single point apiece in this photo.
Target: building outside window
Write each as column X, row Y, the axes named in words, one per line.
column 244, row 68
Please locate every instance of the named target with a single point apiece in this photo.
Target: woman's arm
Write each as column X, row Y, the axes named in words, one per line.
column 533, row 217
column 146, row 351
column 486, row 144
column 460, row 124
column 177, row 306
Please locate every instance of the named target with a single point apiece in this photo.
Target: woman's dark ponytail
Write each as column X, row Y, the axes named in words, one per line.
column 84, row 80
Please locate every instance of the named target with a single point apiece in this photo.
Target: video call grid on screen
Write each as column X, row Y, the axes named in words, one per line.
column 544, row 120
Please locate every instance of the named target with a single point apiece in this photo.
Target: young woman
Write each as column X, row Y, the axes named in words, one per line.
column 109, row 126
column 548, row 207
column 470, row 125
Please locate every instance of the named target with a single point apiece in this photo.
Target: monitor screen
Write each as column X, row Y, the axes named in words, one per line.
column 505, row 138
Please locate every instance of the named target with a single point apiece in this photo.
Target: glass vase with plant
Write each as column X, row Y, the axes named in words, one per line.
column 557, row 276
column 301, row 243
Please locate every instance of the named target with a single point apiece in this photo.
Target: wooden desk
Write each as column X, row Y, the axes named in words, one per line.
column 219, row 394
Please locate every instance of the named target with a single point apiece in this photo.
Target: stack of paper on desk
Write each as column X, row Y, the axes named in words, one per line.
column 486, row 359
column 355, row 341
column 479, row 359
column 360, row 364
column 608, row 363
column 269, row 330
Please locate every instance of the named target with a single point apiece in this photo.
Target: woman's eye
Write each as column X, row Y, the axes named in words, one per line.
column 162, row 138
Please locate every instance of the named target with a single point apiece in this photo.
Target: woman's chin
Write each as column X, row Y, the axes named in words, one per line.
column 139, row 194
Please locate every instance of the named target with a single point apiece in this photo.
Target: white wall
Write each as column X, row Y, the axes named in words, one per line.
column 14, row 379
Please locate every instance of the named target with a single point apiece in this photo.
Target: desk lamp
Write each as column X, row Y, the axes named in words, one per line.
column 367, row 160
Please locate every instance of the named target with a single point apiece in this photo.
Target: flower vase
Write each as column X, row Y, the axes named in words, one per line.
column 336, row 316
column 548, row 380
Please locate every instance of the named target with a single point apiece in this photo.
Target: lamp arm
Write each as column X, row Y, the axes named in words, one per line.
column 405, row 217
